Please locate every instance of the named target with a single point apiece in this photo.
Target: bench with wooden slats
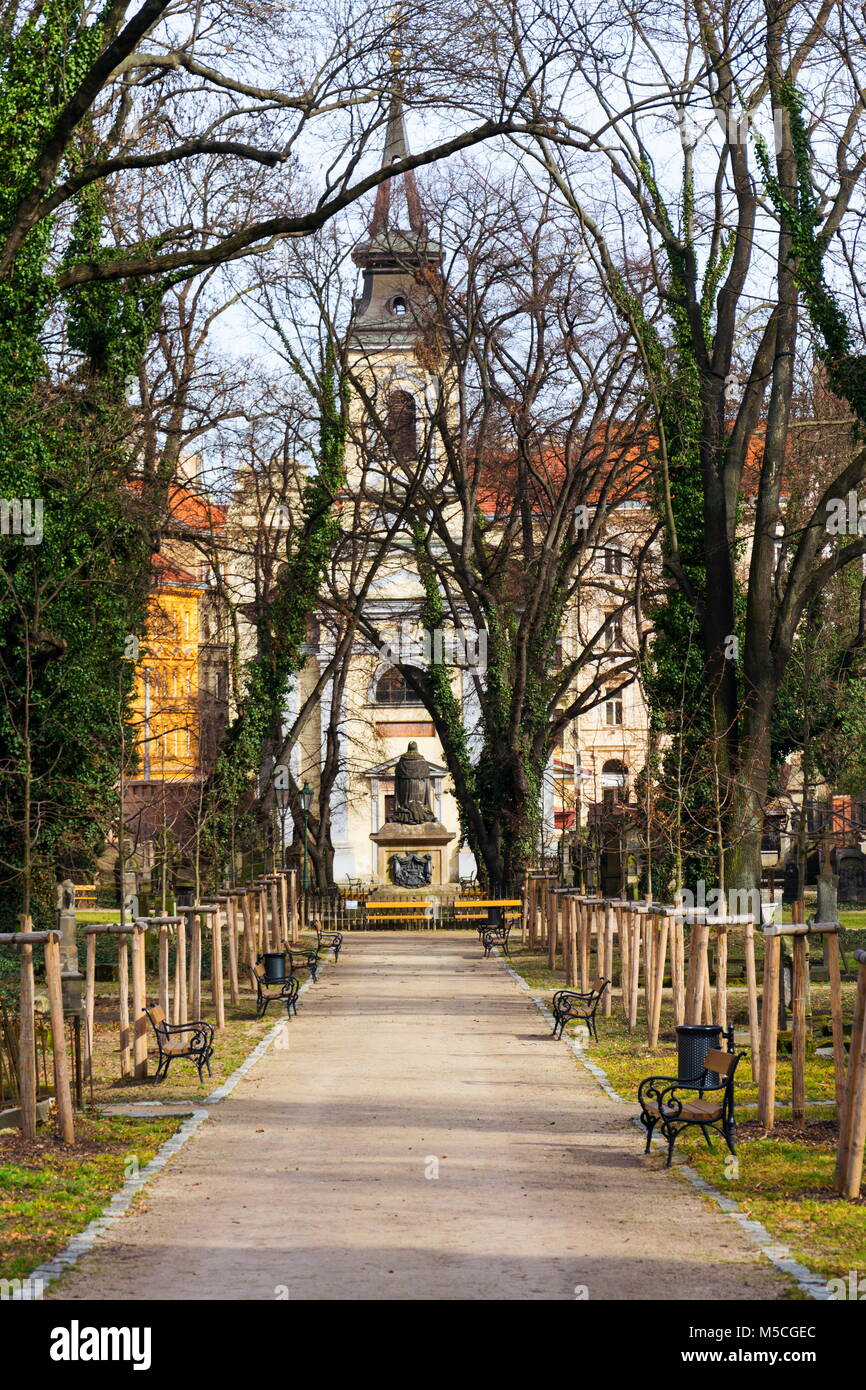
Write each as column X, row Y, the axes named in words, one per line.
column 705, row 1105
column 193, row 1040
column 378, row 913
column 492, row 918
column 477, row 907
column 285, row 990
column 475, row 911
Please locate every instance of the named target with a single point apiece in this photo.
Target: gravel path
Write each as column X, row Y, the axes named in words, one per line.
column 317, row 1178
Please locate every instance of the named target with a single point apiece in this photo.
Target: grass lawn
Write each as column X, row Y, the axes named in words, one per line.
column 783, row 1177
column 49, row 1191
column 784, row 1181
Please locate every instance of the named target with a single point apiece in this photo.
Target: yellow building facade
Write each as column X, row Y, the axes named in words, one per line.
column 166, row 705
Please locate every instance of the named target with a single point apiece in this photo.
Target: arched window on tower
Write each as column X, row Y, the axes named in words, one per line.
column 402, row 426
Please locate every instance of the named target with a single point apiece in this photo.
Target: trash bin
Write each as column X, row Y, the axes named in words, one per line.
column 275, row 967
column 494, row 916
column 694, row 1041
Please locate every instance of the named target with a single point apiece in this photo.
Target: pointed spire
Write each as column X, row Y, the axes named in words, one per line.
column 395, row 259
column 396, row 148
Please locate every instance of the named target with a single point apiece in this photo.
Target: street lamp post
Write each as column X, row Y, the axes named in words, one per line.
column 306, row 803
column 581, row 777
column 282, row 802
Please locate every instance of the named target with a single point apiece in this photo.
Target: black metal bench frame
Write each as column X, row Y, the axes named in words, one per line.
column 303, row 960
column 568, row 1004
column 495, row 936
column 199, row 1049
column 266, row 994
column 328, row 941
column 660, row 1105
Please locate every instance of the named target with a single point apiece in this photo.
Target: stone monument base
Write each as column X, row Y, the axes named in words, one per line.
column 431, row 838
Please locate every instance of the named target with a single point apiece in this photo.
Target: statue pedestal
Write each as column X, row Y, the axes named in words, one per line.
column 430, row 838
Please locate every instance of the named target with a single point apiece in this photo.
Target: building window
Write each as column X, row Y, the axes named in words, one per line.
column 612, row 562
column 402, row 426
column 613, row 639
column 613, row 710
column 614, row 781
column 394, row 689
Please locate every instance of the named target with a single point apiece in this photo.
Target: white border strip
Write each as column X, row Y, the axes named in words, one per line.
column 778, row 1254
column 122, row 1200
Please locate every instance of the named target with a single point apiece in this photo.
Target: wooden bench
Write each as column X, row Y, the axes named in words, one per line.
column 193, row 1040
column 85, row 895
column 660, row 1103
column 570, row 1003
column 406, row 911
column 487, row 912
column 286, row 990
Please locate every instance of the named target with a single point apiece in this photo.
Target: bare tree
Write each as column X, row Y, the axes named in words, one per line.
column 144, row 87
column 660, row 156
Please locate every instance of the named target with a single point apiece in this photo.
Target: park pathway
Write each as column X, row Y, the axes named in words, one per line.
column 313, row 1180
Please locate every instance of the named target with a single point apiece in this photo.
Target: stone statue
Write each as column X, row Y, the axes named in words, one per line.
column 411, row 870
column 65, row 891
column 412, row 802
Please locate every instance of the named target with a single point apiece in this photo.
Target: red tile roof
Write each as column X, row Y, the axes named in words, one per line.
column 167, row 573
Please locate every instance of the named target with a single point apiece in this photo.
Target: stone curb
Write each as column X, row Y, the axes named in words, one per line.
column 778, row 1254
column 122, row 1200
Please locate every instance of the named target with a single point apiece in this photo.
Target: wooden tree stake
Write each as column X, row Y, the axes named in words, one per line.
column 660, row 953
column 180, row 998
column 232, row 931
column 609, row 928
column 163, row 956
column 852, row 1121
column 194, row 966
column 572, row 919
column 123, row 993
column 27, row 1042
column 800, row 985
column 217, row 970
column 752, row 993
column 831, row 946
column 769, row 1032
column 139, row 1021
column 89, row 1002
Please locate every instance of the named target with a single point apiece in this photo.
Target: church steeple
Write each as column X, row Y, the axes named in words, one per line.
column 396, row 148
column 395, row 252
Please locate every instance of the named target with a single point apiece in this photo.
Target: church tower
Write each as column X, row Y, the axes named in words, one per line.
column 392, row 340
column 397, row 258
column 398, row 384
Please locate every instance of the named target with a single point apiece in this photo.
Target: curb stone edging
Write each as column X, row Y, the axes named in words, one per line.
column 775, row 1251
column 119, row 1204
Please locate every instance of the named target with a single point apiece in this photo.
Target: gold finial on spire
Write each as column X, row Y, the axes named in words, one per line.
column 396, row 53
